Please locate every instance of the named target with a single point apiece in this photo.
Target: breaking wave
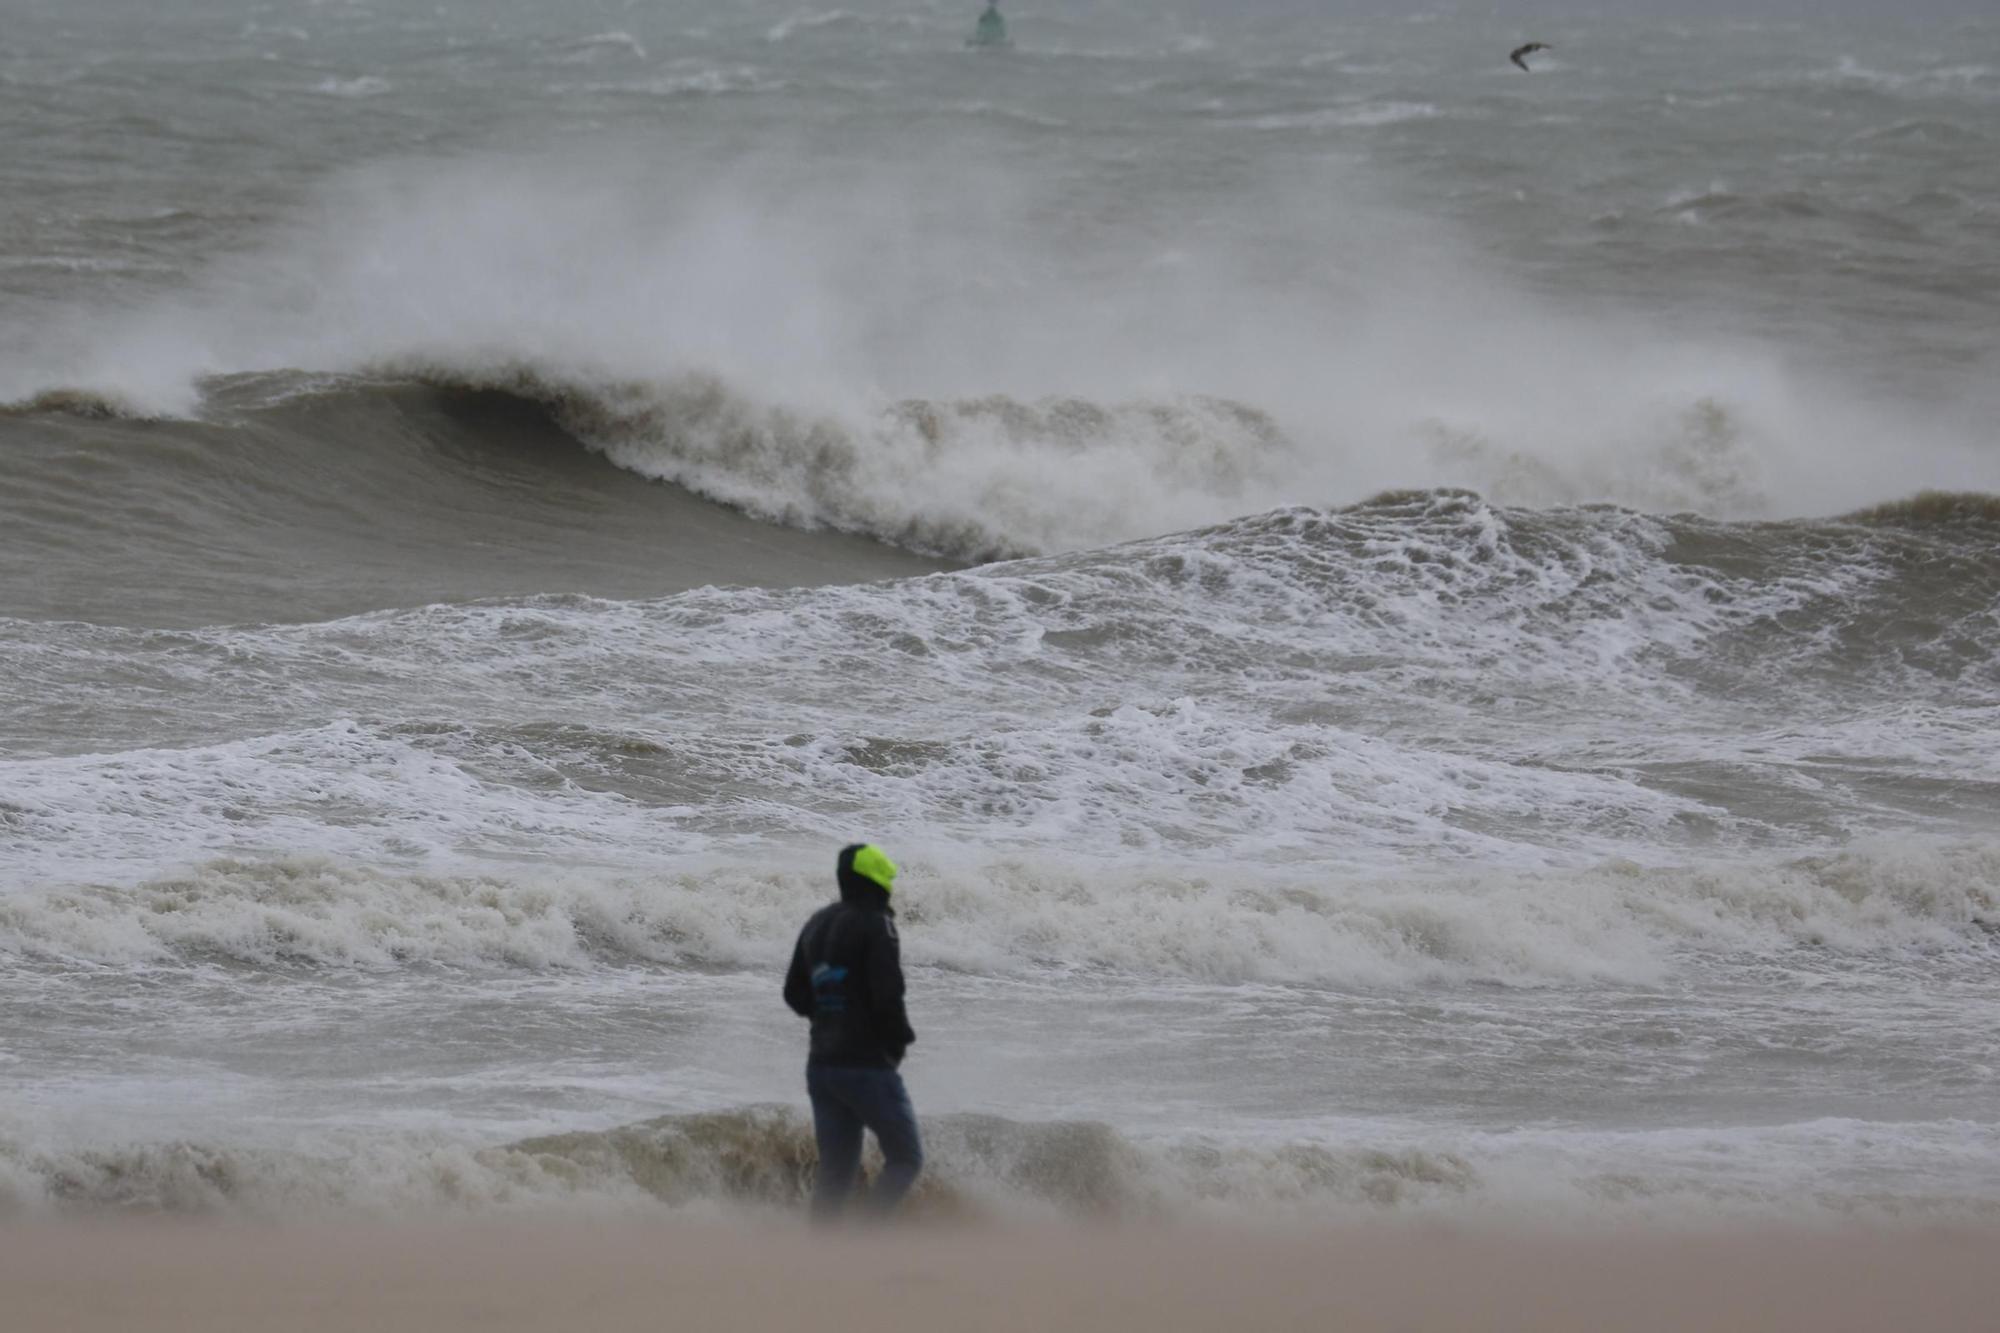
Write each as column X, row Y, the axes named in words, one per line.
column 1933, row 507
column 1617, row 922
column 84, row 404
column 761, row 1158
column 965, row 479
column 969, row 480
column 1303, row 683
column 984, row 394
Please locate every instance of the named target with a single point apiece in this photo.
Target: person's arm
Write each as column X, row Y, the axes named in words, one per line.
column 798, row 981
column 885, row 991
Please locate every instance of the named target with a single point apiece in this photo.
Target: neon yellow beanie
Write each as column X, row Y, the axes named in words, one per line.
column 872, row 863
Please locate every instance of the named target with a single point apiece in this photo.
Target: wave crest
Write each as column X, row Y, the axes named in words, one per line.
column 1932, row 509
column 971, row 479
column 1616, row 922
column 760, row 1158
column 85, row 404
column 757, row 1157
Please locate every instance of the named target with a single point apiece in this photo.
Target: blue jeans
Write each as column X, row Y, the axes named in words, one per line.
column 844, row 1101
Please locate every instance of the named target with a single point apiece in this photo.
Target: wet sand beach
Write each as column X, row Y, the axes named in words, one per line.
column 222, row 1278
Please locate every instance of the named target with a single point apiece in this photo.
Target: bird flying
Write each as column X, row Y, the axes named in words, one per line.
column 1528, row 50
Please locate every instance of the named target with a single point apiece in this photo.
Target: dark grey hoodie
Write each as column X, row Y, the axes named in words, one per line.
column 847, row 976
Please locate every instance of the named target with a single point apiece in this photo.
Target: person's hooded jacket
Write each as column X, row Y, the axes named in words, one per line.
column 847, row 976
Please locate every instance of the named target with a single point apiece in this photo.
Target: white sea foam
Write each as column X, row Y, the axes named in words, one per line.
column 965, row 478
column 706, row 80
column 364, row 85
column 1618, row 922
column 1361, row 115
column 1957, row 79
column 1392, row 359
column 615, row 41
column 760, row 1158
column 810, row 21
column 1600, row 863
column 1298, row 686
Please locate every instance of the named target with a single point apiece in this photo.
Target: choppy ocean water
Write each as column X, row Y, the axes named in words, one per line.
column 1426, row 636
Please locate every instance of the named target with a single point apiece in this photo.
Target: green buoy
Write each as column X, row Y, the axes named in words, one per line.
column 991, row 33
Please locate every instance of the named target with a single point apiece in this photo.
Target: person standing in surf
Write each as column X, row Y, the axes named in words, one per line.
column 847, row 977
